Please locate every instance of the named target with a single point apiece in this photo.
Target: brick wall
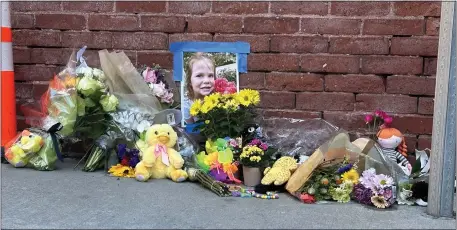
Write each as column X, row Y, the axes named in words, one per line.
column 335, row 60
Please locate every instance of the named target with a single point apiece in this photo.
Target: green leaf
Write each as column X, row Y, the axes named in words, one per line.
column 416, row 167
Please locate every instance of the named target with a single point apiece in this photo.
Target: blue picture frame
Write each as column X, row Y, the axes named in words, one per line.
column 241, row 49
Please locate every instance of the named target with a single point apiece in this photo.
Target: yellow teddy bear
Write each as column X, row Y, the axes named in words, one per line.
column 160, row 160
column 280, row 172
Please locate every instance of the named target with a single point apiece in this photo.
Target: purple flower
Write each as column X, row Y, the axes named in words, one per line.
column 121, row 150
column 255, row 142
column 134, row 157
column 362, row 194
column 263, row 146
column 387, row 193
column 344, row 169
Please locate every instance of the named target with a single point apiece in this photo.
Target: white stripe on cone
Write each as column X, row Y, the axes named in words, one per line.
column 6, row 20
column 7, row 56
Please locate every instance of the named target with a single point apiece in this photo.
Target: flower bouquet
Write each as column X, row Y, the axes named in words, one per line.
column 330, row 182
column 378, row 120
column 375, row 189
column 225, row 115
column 155, row 79
column 128, row 159
column 254, row 159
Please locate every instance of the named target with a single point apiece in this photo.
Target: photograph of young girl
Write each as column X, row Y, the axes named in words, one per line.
column 201, row 73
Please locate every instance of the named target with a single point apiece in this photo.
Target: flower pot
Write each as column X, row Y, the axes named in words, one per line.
column 251, row 176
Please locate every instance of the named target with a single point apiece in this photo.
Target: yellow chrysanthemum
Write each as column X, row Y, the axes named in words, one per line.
column 351, row 176
column 196, row 107
column 253, row 95
column 243, row 98
column 122, row 171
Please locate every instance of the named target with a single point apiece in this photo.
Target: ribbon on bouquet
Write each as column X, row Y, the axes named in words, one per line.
column 161, row 150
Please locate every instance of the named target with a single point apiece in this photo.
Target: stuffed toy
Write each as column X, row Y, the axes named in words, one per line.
column 280, row 172
column 23, row 148
column 160, row 160
column 394, row 148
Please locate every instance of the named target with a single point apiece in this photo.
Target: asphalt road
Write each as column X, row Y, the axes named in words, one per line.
column 68, row 198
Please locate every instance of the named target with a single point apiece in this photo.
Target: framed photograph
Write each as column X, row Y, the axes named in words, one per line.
column 201, row 66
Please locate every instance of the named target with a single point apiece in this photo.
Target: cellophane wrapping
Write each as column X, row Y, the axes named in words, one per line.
column 296, row 136
column 32, row 148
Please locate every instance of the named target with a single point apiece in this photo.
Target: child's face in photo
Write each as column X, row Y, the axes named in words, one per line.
column 202, row 79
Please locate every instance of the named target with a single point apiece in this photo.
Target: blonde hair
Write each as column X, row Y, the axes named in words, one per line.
column 386, row 133
column 196, row 57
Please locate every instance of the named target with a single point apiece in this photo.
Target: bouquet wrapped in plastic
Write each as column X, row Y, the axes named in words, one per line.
column 32, row 148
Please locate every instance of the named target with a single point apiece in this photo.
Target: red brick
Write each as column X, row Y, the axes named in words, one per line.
column 23, row 90
column 350, row 121
column 141, row 7
column 424, row 142
column 299, row 8
column 417, row 8
column 271, row 25
column 411, row 142
column 277, row 100
column 354, row 83
column 330, row 26
column 36, row 38
column 252, row 80
column 414, row 46
column 21, row 55
column 92, row 39
column 169, row 24
column 430, row 65
column 294, row 114
column 88, row 6
column 164, row 59
column 330, row 63
column 60, row 21
column 191, row 7
column 190, row 37
column 35, row 72
column 324, row 101
column 273, row 62
column 140, row 41
column 21, row 124
column 50, row 56
column 299, row 44
column 212, row 24
column 359, row 45
column 393, row 26
column 387, row 102
column 414, row 124
column 360, row 8
column 113, row 22
column 258, row 43
column 240, row 7
column 432, row 26
column 392, row 65
column 34, row 6
column 426, row 105
column 294, row 82
column 413, row 85
column 21, row 21
column 39, row 89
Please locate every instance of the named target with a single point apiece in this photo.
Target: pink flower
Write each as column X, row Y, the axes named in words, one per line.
column 380, row 113
column 158, row 89
column 168, row 98
column 149, row 75
column 388, row 120
column 222, row 85
column 263, row 146
column 255, row 142
column 368, row 118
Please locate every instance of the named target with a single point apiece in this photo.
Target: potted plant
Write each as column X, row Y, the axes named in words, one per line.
column 254, row 160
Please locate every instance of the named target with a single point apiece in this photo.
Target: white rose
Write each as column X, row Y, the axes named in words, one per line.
column 85, row 71
column 159, row 90
column 98, row 73
column 143, row 126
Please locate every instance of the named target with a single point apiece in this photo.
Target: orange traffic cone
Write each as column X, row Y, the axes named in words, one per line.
column 9, row 122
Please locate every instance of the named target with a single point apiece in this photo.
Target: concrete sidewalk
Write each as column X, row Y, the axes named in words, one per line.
column 68, row 198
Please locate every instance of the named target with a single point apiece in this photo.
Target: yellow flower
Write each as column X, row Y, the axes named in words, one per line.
column 231, row 104
column 122, row 171
column 196, row 107
column 248, row 97
column 351, row 176
column 243, row 98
